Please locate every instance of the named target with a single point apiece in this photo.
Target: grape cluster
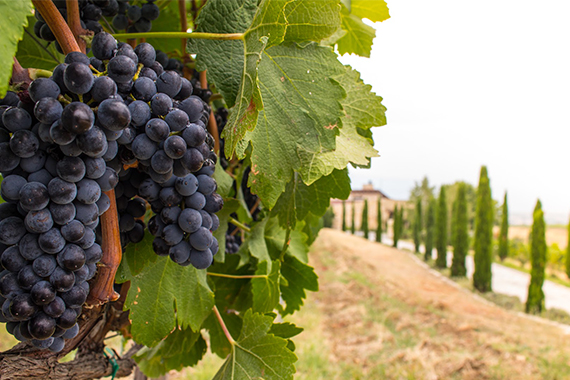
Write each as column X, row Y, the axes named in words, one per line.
column 123, row 123
column 133, row 18
column 136, row 19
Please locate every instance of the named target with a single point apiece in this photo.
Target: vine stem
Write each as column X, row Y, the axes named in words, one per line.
column 58, row 26
column 102, row 290
column 239, row 224
column 74, row 21
column 183, row 24
column 235, row 277
column 198, row 35
column 223, row 326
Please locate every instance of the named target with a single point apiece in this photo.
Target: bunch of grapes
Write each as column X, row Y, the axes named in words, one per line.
column 125, row 16
column 135, row 19
column 122, row 123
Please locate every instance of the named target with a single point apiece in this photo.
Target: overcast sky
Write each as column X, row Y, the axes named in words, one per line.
column 471, row 83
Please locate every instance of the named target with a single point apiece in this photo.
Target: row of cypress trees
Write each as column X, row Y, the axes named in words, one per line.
column 483, row 239
column 364, row 222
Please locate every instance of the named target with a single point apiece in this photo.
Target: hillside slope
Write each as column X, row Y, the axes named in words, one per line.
column 381, row 314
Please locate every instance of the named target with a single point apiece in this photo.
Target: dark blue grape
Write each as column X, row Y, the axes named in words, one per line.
column 169, row 83
column 121, row 69
column 103, row 88
column 78, row 78
column 77, row 117
column 43, row 88
column 51, row 241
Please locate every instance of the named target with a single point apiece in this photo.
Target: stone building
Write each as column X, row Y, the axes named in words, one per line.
column 356, row 200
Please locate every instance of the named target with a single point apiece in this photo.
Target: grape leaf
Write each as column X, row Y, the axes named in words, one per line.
column 257, row 354
column 301, row 109
column 224, row 181
column 275, row 239
column 36, row 53
column 299, row 277
column 13, row 18
column 230, row 206
column 219, row 343
column 363, row 110
column 158, row 303
column 255, row 242
column 266, row 289
column 374, row 10
column 268, row 28
column 224, row 60
column 311, row 19
column 299, row 199
column 182, row 348
column 285, row 330
column 136, row 257
column 359, row 36
column 231, row 293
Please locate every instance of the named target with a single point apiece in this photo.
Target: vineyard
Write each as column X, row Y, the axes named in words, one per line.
column 165, row 168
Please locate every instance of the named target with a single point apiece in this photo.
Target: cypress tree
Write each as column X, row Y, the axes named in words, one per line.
column 418, row 225
column 396, row 226
column 344, row 215
column 441, row 230
column 460, row 239
column 364, row 223
column 568, row 253
column 535, row 299
column 430, row 229
column 379, row 222
column 352, row 225
column 504, row 233
column 483, row 234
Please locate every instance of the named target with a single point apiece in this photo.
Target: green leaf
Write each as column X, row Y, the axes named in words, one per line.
column 255, row 242
column 299, row 199
column 224, row 180
column 374, row 10
column 275, row 239
column 257, row 354
column 36, row 53
column 231, row 293
column 267, row 29
column 135, row 258
column 158, row 302
column 363, row 110
column 224, row 60
column 182, row 348
column 230, row 206
column 300, row 277
column 285, row 330
column 311, row 20
column 219, row 343
column 266, row 290
column 358, row 38
column 13, row 18
column 313, row 225
column 300, row 118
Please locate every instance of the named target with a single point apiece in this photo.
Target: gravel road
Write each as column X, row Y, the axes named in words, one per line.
column 509, row 281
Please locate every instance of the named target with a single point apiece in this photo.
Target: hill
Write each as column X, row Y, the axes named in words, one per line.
column 381, row 314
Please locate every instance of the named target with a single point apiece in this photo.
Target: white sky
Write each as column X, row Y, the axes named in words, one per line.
column 468, row 83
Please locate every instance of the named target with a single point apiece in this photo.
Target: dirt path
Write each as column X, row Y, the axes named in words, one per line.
column 385, row 308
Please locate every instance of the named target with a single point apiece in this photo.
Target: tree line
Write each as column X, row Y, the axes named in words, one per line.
column 438, row 223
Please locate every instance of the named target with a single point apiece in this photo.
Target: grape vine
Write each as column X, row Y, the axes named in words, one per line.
column 218, row 147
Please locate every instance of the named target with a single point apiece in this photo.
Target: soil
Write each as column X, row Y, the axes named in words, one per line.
column 421, row 324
